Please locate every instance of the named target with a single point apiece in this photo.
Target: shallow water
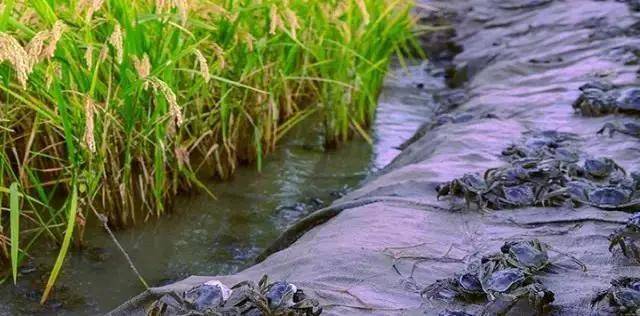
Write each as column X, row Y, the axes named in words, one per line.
column 205, row 236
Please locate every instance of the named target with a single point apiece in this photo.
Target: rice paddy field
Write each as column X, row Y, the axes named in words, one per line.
column 110, row 108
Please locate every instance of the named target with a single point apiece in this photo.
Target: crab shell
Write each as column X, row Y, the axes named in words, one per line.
column 519, row 195
column 599, row 167
column 470, row 283
column 527, row 255
column 578, row 190
column 280, row 294
column 629, row 99
column 474, row 181
column 209, row 295
column 596, row 102
column 502, row 281
column 627, row 298
column 567, row 155
column 608, row 196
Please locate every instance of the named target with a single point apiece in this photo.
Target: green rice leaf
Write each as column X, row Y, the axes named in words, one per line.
column 14, row 208
column 71, row 223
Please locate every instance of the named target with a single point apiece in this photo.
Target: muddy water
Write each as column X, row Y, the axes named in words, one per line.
column 209, row 236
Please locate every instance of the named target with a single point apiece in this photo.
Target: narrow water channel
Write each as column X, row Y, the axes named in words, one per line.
column 206, row 236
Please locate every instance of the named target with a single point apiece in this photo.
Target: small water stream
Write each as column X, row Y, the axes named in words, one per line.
column 206, row 236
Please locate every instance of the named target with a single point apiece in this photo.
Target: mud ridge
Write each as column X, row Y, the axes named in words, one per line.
column 516, row 68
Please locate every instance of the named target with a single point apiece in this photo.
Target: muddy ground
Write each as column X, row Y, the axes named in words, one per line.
column 517, row 68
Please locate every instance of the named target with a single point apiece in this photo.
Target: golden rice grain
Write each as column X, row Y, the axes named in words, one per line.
column 219, row 52
column 88, row 56
column 248, row 39
column 363, row 9
column 35, row 47
column 292, row 20
column 143, row 66
column 95, row 6
column 53, row 72
column 14, row 53
column 204, row 67
column 117, row 42
column 56, row 33
column 170, row 96
column 163, row 5
column 276, row 22
column 89, row 110
column 103, row 54
column 183, row 10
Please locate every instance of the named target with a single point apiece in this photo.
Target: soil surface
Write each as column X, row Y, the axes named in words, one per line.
column 519, row 72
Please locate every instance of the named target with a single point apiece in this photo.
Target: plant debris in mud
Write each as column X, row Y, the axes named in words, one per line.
column 545, row 170
column 622, row 298
column 245, row 298
column 506, row 279
column 628, row 238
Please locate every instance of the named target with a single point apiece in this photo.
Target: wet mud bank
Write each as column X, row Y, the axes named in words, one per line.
column 517, row 157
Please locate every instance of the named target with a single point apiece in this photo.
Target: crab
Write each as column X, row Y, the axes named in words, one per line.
column 629, row 100
column 520, row 151
column 628, row 128
column 579, row 189
column 454, row 313
column 601, row 168
column 527, row 183
column 506, row 279
column 566, row 155
column 471, row 186
column 245, row 298
column 539, row 145
column 519, row 195
column 207, row 297
column 510, row 288
column 528, row 255
column 496, row 281
column 466, row 287
column 610, row 198
column 595, row 101
column 532, row 299
column 278, row 298
column 622, row 298
column 628, row 238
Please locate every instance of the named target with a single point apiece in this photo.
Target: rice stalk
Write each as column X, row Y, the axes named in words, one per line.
column 119, row 105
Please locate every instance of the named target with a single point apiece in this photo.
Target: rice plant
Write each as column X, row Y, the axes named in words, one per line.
column 114, row 106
